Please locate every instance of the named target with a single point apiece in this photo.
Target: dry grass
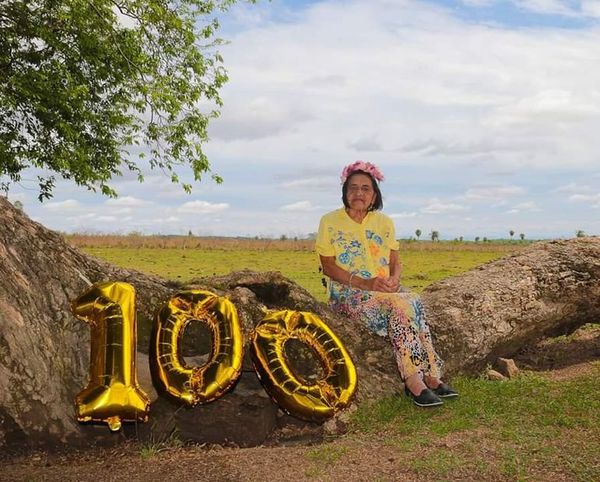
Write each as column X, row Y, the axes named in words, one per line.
column 135, row 240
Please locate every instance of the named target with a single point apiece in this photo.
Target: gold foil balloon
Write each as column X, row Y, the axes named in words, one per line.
column 113, row 393
column 315, row 402
column 210, row 381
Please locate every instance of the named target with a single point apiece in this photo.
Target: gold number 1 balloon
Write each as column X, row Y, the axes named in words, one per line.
column 113, row 393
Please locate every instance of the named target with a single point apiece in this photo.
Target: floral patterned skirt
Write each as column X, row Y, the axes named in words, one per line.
column 400, row 316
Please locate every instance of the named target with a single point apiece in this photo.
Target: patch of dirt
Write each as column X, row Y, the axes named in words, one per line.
column 350, row 458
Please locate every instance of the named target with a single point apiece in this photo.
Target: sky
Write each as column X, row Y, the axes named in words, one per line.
column 484, row 116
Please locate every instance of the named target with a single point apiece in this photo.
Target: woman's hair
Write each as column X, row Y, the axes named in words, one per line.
column 377, row 203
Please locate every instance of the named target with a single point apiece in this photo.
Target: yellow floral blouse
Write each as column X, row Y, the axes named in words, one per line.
column 361, row 248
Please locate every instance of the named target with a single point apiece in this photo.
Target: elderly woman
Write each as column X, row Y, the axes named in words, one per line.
column 359, row 254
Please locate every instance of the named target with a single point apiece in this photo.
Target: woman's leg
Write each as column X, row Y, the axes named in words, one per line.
column 411, row 340
column 404, row 330
column 401, row 317
column 434, row 362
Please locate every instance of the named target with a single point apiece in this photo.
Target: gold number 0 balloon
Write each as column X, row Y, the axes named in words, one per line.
column 203, row 384
column 113, row 393
column 314, row 402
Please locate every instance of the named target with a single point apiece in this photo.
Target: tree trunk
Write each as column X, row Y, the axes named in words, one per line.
column 549, row 289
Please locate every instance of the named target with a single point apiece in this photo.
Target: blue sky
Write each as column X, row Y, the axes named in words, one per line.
column 483, row 115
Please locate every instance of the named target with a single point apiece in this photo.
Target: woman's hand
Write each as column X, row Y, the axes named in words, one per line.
column 385, row 285
column 393, row 283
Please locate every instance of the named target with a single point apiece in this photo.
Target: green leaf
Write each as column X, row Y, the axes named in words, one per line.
column 81, row 84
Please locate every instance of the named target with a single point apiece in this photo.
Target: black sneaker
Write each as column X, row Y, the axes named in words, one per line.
column 445, row 391
column 425, row 399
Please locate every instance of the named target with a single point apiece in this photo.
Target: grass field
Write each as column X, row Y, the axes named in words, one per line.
column 529, row 428
column 183, row 259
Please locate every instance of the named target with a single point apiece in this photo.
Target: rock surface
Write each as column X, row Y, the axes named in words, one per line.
column 495, row 375
column 507, row 367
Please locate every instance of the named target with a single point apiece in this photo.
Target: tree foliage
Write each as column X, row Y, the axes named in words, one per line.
column 85, row 86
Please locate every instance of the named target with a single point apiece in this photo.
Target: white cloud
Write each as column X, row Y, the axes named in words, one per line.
column 122, row 211
column 403, row 215
column 82, row 217
column 18, row 196
column 568, row 8
column 127, row 201
column 447, row 147
column 300, row 206
column 591, row 8
column 558, row 7
column 525, row 206
column 257, row 119
column 313, row 183
column 366, row 143
column 574, row 188
column 435, row 206
column 202, row 207
column 66, row 205
column 497, row 194
column 551, row 105
column 106, row 219
column 449, row 98
column 530, row 206
column 592, row 199
column 478, row 3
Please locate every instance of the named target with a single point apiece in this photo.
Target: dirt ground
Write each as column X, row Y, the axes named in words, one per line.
column 367, row 457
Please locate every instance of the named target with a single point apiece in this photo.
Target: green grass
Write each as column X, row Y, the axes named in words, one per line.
column 524, row 424
column 523, row 403
column 420, row 268
column 154, row 446
column 421, row 265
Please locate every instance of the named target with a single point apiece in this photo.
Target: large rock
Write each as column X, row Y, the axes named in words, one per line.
column 549, row 289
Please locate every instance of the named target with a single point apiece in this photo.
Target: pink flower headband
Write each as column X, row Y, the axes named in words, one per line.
column 367, row 167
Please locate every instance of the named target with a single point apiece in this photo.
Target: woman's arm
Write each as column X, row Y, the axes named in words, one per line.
column 395, row 268
column 333, row 271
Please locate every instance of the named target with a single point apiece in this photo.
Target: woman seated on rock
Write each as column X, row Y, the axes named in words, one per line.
column 359, row 254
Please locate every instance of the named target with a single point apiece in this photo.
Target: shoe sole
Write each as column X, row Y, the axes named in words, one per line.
column 436, row 404
column 452, row 395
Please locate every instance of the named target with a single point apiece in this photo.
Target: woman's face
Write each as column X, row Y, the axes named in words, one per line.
column 360, row 193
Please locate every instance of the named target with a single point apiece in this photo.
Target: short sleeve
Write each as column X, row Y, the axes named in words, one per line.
column 323, row 244
column 392, row 242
